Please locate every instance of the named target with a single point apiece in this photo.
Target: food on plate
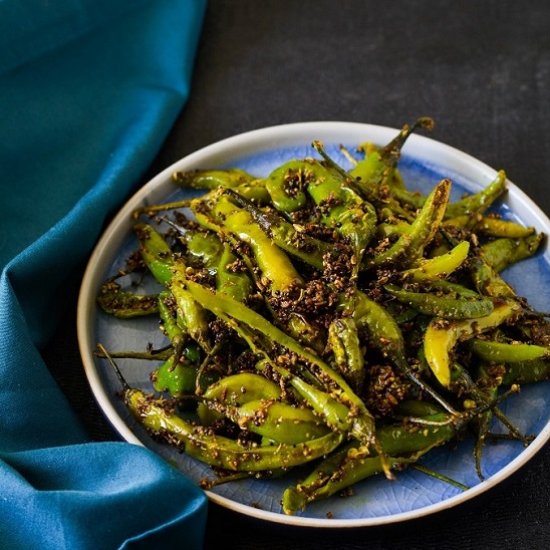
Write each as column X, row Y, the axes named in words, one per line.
column 328, row 315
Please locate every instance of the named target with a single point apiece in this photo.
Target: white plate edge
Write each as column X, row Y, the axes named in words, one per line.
column 277, row 136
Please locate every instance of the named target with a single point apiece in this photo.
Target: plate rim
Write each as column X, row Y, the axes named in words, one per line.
column 271, row 137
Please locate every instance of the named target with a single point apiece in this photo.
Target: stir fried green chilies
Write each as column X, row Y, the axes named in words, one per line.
column 330, row 317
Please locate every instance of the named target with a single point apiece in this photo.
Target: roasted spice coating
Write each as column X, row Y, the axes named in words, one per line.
column 330, row 313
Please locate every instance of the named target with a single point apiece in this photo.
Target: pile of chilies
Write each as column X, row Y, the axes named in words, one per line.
column 328, row 316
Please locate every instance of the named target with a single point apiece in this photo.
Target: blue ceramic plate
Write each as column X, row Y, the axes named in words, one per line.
column 375, row 501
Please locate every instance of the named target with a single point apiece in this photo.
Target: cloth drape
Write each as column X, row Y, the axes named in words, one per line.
column 88, row 92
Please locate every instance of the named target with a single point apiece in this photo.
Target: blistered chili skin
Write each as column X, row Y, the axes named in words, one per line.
column 125, row 305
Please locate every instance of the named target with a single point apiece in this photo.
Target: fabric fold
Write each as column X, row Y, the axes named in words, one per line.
column 88, row 92
column 81, row 508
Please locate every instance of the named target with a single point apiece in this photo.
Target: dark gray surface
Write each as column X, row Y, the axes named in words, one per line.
column 481, row 69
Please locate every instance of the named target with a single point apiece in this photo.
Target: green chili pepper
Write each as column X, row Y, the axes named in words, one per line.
column 174, row 376
column 212, row 179
column 286, row 184
column 331, row 411
column 284, row 234
column 233, row 178
column 305, row 332
column 276, row 421
column 463, row 212
column 527, row 372
column 218, row 257
column 157, row 255
column 502, row 352
column 221, row 451
column 496, row 227
column 501, row 253
column 379, row 165
column 342, row 208
column 441, row 336
column 206, row 247
column 439, row 266
column 410, row 437
column 410, row 246
column 384, row 332
column 218, row 303
column 234, row 284
column 416, row 408
column 159, row 418
column 190, row 315
column 273, row 262
column 395, row 228
column 123, row 304
column 487, row 281
column 236, row 390
column 479, row 202
column 343, row 469
column 444, row 306
column 413, row 199
column 344, row 342
column 347, row 473
column 167, row 313
column 176, row 379
column 335, row 414
column 155, row 251
column 490, row 226
column 453, row 288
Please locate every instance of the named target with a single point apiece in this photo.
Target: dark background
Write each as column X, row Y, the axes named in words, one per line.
column 480, row 68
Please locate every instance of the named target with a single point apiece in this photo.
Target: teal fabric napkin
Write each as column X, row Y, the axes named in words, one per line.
column 88, row 92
